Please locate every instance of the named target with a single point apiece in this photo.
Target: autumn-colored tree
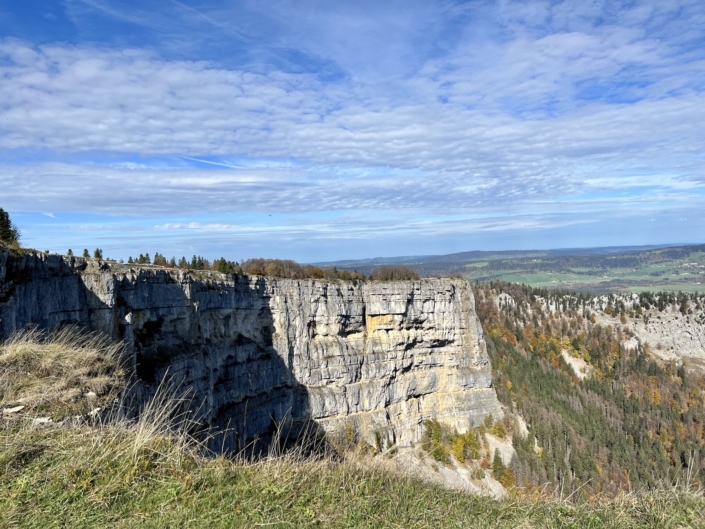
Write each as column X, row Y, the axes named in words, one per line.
column 394, row 273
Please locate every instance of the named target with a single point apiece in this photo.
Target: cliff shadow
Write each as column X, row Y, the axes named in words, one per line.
column 211, row 340
column 258, row 406
column 211, row 345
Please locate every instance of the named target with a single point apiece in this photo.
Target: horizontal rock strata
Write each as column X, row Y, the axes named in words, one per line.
column 372, row 359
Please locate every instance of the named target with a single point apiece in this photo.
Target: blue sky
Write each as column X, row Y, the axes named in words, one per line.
column 322, row 130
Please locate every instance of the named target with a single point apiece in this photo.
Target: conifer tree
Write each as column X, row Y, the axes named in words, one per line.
column 498, row 466
column 86, row 254
column 97, row 253
column 70, row 252
column 8, row 232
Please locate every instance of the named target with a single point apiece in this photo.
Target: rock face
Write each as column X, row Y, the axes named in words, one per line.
column 671, row 336
column 376, row 359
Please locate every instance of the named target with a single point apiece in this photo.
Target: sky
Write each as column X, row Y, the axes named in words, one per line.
column 319, row 130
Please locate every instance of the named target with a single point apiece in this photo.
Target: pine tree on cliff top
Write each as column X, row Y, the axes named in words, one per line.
column 8, row 232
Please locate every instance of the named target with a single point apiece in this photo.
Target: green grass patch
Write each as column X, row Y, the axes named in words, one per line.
column 79, row 477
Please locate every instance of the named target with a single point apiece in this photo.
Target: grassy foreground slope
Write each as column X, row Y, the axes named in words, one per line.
column 87, row 478
column 147, row 473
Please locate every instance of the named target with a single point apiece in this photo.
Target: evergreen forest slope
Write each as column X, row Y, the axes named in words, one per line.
column 604, row 414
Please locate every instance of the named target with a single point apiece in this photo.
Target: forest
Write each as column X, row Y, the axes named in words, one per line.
column 633, row 424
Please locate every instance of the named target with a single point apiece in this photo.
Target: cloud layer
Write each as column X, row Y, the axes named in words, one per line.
column 440, row 112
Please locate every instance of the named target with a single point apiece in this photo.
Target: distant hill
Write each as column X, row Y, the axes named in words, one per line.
column 615, row 268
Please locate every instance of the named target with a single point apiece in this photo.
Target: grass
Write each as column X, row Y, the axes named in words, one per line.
column 66, row 374
column 149, row 473
column 85, row 477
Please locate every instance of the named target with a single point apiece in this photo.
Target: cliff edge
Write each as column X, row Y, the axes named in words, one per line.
column 374, row 358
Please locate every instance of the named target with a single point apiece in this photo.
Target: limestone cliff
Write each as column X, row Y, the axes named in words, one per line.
column 378, row 357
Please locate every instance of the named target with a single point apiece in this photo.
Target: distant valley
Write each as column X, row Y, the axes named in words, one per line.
column 599, row 270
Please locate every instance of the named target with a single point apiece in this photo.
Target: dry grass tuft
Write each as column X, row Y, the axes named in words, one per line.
column 70, row 372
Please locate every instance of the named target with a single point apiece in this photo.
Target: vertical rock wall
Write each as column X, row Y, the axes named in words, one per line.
column 378, row 357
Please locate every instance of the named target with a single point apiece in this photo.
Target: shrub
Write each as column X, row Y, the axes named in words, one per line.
column 498, row 429
column 394, row 273
column 288, row 269
column 458, row 448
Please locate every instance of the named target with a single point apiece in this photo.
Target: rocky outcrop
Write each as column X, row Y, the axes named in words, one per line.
column 670, row 335
column 376, row 359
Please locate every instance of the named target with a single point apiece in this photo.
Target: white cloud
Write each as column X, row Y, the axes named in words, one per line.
column 550, row 108
column 78, row 99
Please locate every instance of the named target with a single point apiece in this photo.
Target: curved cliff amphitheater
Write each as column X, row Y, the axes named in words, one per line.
column 255, row 353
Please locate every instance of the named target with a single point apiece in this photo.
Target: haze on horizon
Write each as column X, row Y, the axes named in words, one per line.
column 321, row 131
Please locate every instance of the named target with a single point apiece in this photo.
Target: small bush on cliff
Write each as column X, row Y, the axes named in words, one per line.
column 440, row 441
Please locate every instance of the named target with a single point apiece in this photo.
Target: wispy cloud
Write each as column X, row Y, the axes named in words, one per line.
column 438, row 111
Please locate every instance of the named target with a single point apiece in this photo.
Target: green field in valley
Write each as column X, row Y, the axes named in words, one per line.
column 622, row 269
column 655, row 272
